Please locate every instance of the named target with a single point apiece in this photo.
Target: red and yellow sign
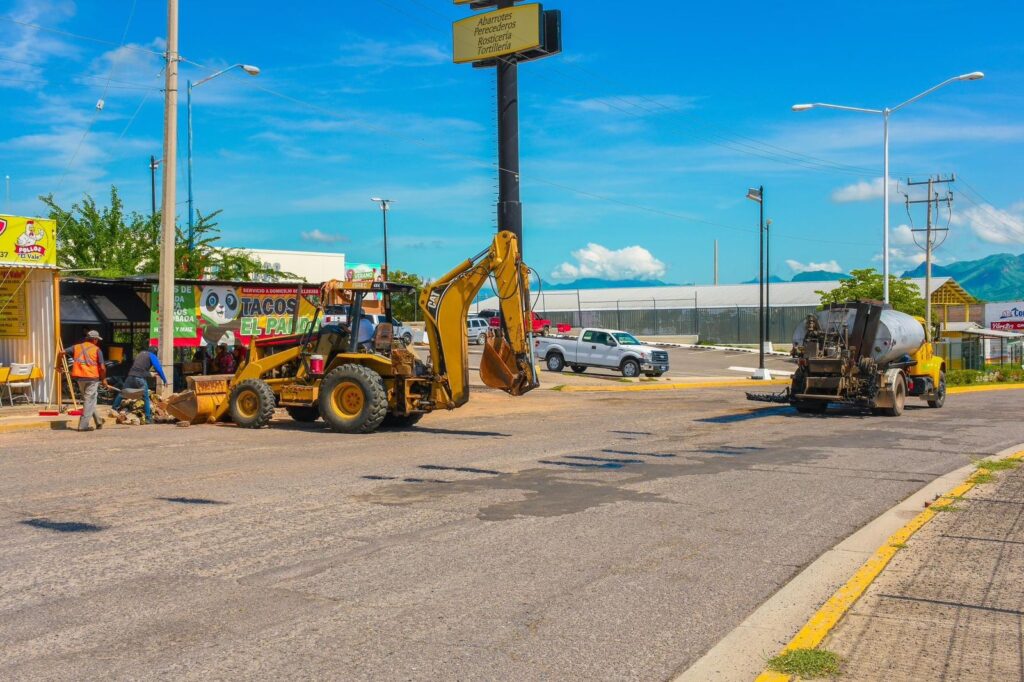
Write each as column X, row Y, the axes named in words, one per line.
column 27, row 241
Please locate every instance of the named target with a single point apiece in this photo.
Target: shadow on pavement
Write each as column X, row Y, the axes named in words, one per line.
column 190, row 500
column 63, row 526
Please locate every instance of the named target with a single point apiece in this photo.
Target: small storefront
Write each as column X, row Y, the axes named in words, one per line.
column 29, row 319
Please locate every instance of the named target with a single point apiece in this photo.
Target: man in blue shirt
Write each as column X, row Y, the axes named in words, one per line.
column 137, row 380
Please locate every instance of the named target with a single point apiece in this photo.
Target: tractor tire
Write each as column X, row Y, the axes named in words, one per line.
column 940, row 393
column 304, row 414
column 555, row 362
column 899, row 399
column 579, row 369
column 630, row 368
column 353, row 399
column 252, row 404
column 393, row 421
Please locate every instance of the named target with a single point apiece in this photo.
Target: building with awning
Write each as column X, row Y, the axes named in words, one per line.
column 29, row 321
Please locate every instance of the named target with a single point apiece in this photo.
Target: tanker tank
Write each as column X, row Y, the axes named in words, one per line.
column 898, row 334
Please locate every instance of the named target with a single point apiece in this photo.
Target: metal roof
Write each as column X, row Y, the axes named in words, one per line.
column 28, row 266
column 783, row 294
column 994, row 333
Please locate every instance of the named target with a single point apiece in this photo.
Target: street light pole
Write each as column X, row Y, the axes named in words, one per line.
column 249, row 69
column 385, row 206
column 167, row 231
column 973, row 76
column 757, row 194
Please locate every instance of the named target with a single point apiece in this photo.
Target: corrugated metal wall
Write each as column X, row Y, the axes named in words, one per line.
column 39, row 345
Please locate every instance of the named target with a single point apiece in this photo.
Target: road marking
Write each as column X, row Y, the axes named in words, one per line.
column 828, row 616
column 751, row 370
column 672, row 387
column 981, row 388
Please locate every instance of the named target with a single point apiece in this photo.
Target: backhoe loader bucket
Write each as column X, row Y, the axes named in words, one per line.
column 204, row 402
column 499, row 368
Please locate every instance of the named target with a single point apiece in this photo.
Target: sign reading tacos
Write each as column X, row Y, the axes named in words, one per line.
column 27, row 241
column 234, row 313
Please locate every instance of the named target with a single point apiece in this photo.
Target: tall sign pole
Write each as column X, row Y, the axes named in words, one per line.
column 167, row 228
column 503, row 37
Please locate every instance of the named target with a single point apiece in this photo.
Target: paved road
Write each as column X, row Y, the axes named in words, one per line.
column 575, row 536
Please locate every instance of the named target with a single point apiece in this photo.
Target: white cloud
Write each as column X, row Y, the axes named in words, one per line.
column 828, row 266
column 321, row 237
column 902, row 235
column 594, row 260
column 865, row 191
column 363, row 53
column 994, row 225
column 637, row 105
column 25, row 51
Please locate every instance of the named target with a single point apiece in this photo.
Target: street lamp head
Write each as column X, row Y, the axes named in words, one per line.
column 754, row 194
column 972, row 76
column 250, row 69
column 802, row 107
column 377, row 199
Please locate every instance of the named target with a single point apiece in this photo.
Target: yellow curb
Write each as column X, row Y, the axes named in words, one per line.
column 673, row 387
column 33, row 425
column 981, row 388
column 821, row 623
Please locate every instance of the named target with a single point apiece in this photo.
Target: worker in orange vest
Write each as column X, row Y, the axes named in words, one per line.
column 89, row 372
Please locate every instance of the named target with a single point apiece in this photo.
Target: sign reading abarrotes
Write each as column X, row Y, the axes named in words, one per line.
column 498, row 33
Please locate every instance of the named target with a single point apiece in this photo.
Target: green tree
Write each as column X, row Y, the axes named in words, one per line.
column 406, row 307
column 904, row 295
column 108, row 242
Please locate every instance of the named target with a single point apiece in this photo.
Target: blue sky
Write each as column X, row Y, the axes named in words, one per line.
column 638, row 142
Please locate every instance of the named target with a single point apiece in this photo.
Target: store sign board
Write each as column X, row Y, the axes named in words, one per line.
column 497, row 33
column 1007, row 316
column 235, row 313
column 13, row 303
column 27, row 241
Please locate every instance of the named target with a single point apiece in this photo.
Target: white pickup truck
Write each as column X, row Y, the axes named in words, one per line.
column 606, row 348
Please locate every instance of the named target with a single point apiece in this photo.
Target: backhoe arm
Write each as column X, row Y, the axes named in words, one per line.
column 508, row 357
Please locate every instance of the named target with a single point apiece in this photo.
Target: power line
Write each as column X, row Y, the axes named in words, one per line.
column 69, row 34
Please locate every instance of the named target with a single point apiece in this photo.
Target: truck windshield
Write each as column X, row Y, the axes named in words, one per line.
column 625, row 339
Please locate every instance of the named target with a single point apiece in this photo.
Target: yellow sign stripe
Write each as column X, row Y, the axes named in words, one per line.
column 814, row 632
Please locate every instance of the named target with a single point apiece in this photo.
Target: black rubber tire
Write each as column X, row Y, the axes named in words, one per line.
column 304, row 414
column 555, row 362
column 630, row 368
column 481, row 339
column 899, row 399
column 811, row 407
column 940, row 398
column 373, row 403
column 252, row 404
column 407, row 338
column 579, row 369
column 393, row 421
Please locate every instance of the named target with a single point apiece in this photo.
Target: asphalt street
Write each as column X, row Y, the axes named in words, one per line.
column 554, row 536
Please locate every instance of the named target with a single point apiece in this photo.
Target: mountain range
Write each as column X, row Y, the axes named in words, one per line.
column 999, row 277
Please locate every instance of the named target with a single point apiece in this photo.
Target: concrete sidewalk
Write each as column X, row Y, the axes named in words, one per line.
column 950, row 605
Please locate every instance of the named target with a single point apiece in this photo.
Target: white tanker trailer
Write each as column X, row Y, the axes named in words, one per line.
column 864, row 354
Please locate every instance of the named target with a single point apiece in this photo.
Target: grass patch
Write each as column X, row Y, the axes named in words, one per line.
column 807, row 663
column 649, row 379
column 944, row 508
column 992, row 374
column 997, row 464
column 558, row 387
column 982, row 477
column 898, row 545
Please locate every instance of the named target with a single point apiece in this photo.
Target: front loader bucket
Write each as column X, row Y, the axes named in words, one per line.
column 499, row 368
column 206, row 400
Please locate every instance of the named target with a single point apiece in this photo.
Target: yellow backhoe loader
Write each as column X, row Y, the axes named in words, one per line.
column 358, row 386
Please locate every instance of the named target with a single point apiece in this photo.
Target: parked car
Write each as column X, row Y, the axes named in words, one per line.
column 476, row 330
column 338, row 314
column 538, row 324
column 605, row 348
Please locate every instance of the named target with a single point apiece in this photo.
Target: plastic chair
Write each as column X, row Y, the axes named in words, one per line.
column 19, row 379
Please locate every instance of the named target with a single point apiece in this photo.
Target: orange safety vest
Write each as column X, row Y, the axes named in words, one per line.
column 86, row 358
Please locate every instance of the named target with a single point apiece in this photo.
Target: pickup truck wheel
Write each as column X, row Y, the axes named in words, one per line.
column 353, row 399
column 940, row 393
column 630, row 368
column 555, row 362
column 579, row 369
column 252, row 404
column 407, row 338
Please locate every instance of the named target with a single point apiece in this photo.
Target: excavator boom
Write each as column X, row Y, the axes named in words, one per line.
column 507, row 361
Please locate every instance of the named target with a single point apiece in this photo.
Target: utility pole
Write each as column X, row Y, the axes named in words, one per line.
column 167, row 228
column 716, row 262
column 929, row 239
column 510, row 208
column 153, row 163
